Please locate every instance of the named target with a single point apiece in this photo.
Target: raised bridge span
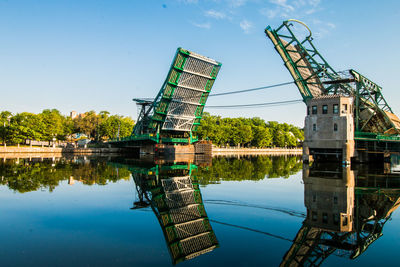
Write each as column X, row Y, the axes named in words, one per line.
column 347, row 115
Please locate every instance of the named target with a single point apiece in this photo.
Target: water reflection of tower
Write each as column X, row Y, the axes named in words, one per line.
column 329, row 198
column 175, row 198
column 345, row 213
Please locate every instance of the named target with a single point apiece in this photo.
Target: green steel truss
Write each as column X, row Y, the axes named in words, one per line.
column 174, row 195
column 315, row 77
column 312, row 245
column 371, row 109
column 371, row 202
column 306, row 65
column 177, row 110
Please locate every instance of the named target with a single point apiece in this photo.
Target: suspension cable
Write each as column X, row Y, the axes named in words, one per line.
column 281, row 103
column 251, row 89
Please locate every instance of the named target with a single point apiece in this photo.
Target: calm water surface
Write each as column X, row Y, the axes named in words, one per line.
column 259, row 211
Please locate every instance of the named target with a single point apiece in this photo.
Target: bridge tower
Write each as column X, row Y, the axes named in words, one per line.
column 376, row 127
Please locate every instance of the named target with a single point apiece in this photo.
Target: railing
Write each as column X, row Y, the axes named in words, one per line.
column 375, row 136
column 154, row 137
column 142, row 137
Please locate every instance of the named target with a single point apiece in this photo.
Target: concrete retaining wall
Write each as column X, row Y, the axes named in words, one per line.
column 216, row 151
column 59, row 150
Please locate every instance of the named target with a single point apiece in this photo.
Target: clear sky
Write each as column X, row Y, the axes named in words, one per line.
column 97, row 55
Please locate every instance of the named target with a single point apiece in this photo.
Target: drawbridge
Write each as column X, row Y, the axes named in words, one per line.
column 346, row 213
column 172, row 192
column 314, row 77
column 174, row 115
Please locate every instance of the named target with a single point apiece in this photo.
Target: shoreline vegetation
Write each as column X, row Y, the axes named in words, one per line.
column 26, row 175
column 51, row 128
column 42, row 152
column 249, row 132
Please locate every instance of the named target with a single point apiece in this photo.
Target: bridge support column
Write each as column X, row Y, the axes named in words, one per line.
column 306, row 153
column 348, row 152
column 147, row 149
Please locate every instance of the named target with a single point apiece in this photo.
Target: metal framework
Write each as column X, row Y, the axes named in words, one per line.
column 314, row 77
column 313, row 245
column 376, row 197
column 177, row 110
column 174, row 195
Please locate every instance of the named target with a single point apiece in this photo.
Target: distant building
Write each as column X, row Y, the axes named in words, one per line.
column 81, row 115
column 83, row 142
column 73, row 114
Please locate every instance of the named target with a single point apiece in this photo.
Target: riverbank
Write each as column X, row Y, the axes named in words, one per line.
column 18, row 152
column 217, row 151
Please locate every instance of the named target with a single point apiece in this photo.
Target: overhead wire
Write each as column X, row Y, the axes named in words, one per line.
column 281, row 103
column 243, row 204
column 254, row 105
column 251, row 89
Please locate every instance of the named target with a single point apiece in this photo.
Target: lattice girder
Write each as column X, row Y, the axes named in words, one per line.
column 176, row 200
column 372, row 112
column 179, row 105
column 314, row 76
column 308, row 68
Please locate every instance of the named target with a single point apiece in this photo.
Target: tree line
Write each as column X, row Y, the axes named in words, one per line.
column 50, row 124
column 249, row 132
column 27, row 176
column 249, row 168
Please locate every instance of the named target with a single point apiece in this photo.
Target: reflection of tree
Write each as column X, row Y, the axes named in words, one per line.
column 25, row 176
column 249, row 168
column 344, row 216
column 173, row 194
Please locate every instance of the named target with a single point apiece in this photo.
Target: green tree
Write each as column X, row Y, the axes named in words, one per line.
column 87, row 124
column 241, row 134
column 52, row 125
column 24, row 126
column 251, row 168
column 5, row 117
column 245, row 131
column 262, row 137
column 68, row 126
column 111, row 125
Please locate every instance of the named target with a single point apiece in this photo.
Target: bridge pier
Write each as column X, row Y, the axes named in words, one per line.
column 169, row 150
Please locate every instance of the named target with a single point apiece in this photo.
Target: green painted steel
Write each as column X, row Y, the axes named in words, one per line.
column 314, row 77
column 155, row 170
column 306, row 65
column 175, row 114
column 173, row 193
column 375, row 136
column 372, row 112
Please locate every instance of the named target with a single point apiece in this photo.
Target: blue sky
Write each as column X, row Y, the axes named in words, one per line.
column 98, row 55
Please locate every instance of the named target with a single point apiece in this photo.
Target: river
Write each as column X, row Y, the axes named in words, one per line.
column 233, row 211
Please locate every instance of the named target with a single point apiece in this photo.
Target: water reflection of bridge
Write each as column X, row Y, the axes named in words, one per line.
column 346, row 212
column 172, row 192
column 346, row 209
